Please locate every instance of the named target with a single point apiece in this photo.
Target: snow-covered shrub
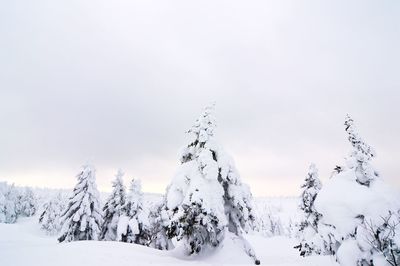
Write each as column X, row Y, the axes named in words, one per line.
column 352, row 197
column 206, row 196
column 113, row 209
column 269, row 225
column 134, row 226
column 380, row 240
column 310, row 242
column 82, row 217
column 276, row 216
column 50, row 218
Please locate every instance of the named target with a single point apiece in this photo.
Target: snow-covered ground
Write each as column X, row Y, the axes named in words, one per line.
column 24, row 244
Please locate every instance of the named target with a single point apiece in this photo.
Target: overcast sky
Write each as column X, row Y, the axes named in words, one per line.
column 118, row 83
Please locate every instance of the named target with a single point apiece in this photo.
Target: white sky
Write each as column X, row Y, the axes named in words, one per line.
column 119, row 82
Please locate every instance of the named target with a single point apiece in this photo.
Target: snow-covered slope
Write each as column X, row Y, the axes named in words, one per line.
column 24, row 244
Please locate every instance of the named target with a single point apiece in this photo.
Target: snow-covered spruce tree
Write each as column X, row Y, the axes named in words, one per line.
column 82, row 217
column 133, row 225
column 353, row 199
column 4, row 188
column 50, row 218
column 309, row 225
column 159, row 221
column 2, row 204
column 8, row 207
column 206, row 195
column 311, row 187
column 28, row 202
column 113, row 209
column 360, row 156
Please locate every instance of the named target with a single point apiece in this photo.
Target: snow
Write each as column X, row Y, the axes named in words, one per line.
column 348, row 253
column 373, row 202
column 24, row 244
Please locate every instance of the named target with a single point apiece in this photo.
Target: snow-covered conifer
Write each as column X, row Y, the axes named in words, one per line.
column 8, row 207
column 159, row 221
column 133, row 225
column 350, row 201
column 113, row 209
column 49, row 219
column 28, row 202
column 206, row 196
column 309, row 225
column 360, row 156
column 82, row 217
column 311, row 187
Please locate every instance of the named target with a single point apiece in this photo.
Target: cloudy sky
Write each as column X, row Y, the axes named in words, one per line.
column 118, row 83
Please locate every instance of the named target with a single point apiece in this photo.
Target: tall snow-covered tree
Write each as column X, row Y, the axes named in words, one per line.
column 360, row 156
column 49, row 219
column 113, row 209
column 82, row 217
column 134, row 225
column 309, row 226
column 353, row 203
column 206, row 196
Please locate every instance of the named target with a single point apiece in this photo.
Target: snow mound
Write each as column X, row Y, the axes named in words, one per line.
column 342, row 200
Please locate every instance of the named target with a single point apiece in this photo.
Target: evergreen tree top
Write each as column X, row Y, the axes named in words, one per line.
column 135, row 198
column 118, row 193
column 204, row 126
column 86, row 183
column 356, row 141
column 88, row 173
column 312, row 179
column 136, row 186
column 118, row 178
column 135, row 194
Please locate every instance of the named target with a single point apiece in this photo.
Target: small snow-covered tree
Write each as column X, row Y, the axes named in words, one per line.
column 3, row 202
column 27, row 202
column 113, row 209
column 50, row 218
column 2, row 206
column 311, row 187
column 159, row 221
column 82, row 217
column 206, row 196
column 309, row 226
column 134, row 225
column 360, row 156
column 8, row 206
